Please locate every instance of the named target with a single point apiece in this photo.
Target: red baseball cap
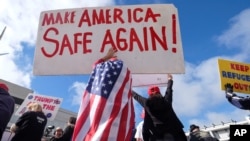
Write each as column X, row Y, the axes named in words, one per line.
column 3, row 86
column 153, row 90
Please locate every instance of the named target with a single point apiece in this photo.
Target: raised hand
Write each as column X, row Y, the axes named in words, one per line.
column 229, row 87
column 110, row 54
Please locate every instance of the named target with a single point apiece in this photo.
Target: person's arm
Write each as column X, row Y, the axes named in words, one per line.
column 110, row 54
column 140, row 99
column 245, row 102
column 237, row 101
column 229, row 91
column 169, row 91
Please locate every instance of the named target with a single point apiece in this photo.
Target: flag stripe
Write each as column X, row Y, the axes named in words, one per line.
column 96, row 119
column 81, row 119
column 106, row 113
column 116, row 108
column 123, row 125
column 132, row 120
column 125, row 100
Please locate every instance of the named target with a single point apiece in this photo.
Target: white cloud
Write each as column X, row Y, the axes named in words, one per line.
column 78, row 89
column 198, row 91
column 21, row 18
column 218, row 118
column 237, row 36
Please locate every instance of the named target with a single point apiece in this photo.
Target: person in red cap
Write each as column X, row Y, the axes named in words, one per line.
column 7, row 105
column 160, row 121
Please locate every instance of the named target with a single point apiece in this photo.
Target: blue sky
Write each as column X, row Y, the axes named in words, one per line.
column 210, row 29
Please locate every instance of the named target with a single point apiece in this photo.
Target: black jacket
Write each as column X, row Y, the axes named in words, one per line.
column 7, row 104
column 164, row 117
column 68, row 132
column 30, row 126
column 238, row 101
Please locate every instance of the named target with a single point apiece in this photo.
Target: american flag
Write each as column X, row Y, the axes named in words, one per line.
column 106, row 112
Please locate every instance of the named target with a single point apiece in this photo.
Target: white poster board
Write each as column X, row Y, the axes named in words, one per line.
column 147, row 38
column 50, row 105
column 140, row 80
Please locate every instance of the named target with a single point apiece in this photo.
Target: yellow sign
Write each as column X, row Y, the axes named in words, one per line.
column 235, row 73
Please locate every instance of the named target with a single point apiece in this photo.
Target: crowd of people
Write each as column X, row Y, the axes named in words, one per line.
column 160, row 122
column 30, row 126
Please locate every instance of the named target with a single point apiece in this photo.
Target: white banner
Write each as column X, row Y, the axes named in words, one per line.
column 49, row 104
column 147, row 38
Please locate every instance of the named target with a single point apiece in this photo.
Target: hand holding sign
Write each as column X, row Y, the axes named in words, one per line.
column 110, row 54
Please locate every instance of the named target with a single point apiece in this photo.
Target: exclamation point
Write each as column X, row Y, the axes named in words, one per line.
column 174, row 32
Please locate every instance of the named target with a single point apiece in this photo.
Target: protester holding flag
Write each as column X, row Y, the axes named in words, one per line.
column 160, row 122
column 238, row 101
column 106, row 112
column 7, row 105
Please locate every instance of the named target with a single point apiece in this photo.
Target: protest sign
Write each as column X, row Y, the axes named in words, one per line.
column 235, row 73
column 147, row 38
column 49, row 104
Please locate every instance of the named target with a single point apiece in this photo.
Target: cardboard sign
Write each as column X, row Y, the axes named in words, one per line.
column 235, row 73
column 49, row 104
column 140, row 80
column 147, row 38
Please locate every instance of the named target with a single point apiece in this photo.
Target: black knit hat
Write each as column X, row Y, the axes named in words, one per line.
column 192, row 127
